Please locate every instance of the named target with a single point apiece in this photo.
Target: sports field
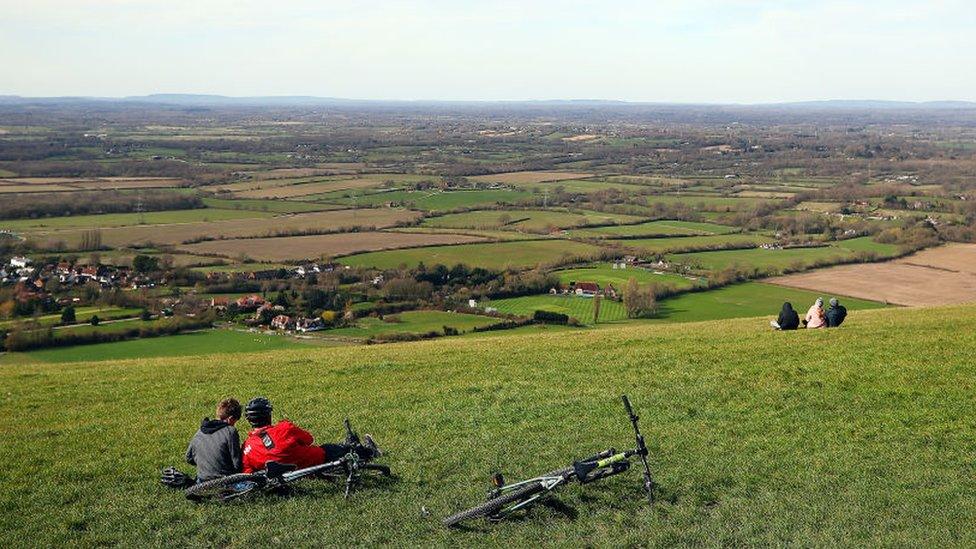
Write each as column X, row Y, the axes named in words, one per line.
column 825, row 437
column 498, row 255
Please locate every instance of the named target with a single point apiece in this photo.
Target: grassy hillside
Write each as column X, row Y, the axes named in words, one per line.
column 859, row 435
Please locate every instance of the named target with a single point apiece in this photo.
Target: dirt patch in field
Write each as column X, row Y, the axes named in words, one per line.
column 312, row 247
column 530, row 177
column 937, row 276
column 177, row 233
column 59, row 184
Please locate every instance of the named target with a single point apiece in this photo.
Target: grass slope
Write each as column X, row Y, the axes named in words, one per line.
column 603, row 274
column 857, row 436
column 490, row 255
column 580, row 308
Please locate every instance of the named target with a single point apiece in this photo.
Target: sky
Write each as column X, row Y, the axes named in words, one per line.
column 685, row 51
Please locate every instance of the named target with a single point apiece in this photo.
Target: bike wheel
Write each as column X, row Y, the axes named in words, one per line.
column 492, row 506
column 226, row 488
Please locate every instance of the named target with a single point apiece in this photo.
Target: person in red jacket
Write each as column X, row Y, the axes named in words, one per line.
column 286, row 443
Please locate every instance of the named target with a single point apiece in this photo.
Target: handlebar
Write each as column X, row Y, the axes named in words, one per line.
column 630, row 411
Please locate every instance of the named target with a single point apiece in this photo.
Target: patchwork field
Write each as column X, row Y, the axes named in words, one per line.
column 57, row 184
column 942, row 275
column 784, row 258
column 316, row 246
column 306, row 189
column 275, row 206
column 179, row 233
column 498, row 255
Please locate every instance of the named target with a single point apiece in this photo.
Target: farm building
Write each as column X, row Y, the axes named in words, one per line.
column 587, row 289
column 282, row 322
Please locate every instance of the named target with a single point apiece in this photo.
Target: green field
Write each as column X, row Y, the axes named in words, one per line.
column 412, row 322
column 266, row 205
column 653, row 229
column 82, row 314
column 713, row 202
column 242, row 267
column 604, row 274
column 745, row 300
column 757, row 438
column 197, row 343
column 785, row 258
column 126, row 219
column 498, row 255
column 530, row 220
column 580, row 308
column 436, row 200
column 663, row 245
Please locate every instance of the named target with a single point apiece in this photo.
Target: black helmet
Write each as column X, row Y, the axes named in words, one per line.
column 175, row 478
column 258, row 412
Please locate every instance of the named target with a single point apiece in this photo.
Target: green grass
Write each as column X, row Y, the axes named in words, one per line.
column 859, row 436
column 714, row 202
column 498, row 255
column 580, row 308
column 663, row 245
column 436, row 200
column 265, row 205
column 82, row 314
column 604, row 274
column 653, row 229
column 530, row 220
column 412, row 322
column 242, row 267
column 758, row 257
column 867, row 244
column 745, row 300
column 126, row 219
column 197, row 343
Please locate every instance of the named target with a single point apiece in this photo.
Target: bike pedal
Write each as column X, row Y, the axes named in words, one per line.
column 497, row 480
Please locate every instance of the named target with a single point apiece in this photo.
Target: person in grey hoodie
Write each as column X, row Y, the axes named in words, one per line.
column 216, row 448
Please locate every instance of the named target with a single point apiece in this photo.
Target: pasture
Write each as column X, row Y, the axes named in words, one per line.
column 522, row 178
column 411, row 322
column 499, row 255
column 664, row 245
column 249, row 227
column 275, row 206
column 316, row 246
column 580, row 308
column 527, row 220
column 603, row 274
column 655, row 229
column 750, row 299
column 126, row 219
column 820, row 437
column 434, row 200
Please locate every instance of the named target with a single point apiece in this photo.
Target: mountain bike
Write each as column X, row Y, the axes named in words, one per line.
column 276, row 477
column 505, row 499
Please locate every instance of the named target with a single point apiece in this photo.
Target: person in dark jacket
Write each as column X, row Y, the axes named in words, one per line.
column 788, row 319
column 836, row 313
column 216, row 448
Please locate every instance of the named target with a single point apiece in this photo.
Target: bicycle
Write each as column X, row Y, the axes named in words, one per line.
column 505, row 499
column 276, row 477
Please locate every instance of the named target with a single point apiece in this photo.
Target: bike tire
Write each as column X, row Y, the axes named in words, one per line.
column 225, row 488
column 494, row 505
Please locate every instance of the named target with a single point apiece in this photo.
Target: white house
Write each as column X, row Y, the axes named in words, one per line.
column 19, row 262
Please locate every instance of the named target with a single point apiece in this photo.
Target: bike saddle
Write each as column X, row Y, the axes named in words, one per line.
column 276, row 469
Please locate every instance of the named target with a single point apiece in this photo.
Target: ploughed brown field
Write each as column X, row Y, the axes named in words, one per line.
column 313, row 247
column 936, row 276
column 177, row 233
column 530, row 177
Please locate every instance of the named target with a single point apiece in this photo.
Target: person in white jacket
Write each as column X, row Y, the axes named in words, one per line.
column 816, row 318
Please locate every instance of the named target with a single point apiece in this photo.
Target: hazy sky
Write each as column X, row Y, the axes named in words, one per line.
column 654, row 50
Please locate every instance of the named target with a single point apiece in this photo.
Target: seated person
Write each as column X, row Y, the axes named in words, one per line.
column 815, row 316
column 836, row 313
column 286, row 443
column 788, row 319
column 216, row 448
